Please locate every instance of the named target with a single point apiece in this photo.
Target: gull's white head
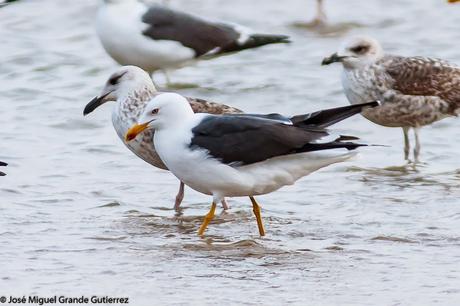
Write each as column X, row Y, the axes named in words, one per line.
column 164, row 110
column 126, row 81
column 357, row 52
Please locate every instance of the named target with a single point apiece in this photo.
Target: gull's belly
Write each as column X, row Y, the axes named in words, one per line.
column 397, row 110
column 407, row 111
column 209, row 176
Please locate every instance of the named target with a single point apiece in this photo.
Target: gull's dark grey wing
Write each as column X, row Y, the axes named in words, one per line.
column 240, row 139
column 201, row 36
column 273, row 116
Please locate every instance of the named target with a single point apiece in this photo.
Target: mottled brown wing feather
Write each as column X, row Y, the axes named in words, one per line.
column 203, row 106
column 421, row 76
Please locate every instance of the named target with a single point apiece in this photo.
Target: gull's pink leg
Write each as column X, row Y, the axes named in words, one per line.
column 224, row 204
column 179, row 196
column 320, row 18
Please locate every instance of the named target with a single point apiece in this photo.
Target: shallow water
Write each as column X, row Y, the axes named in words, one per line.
column 81, row 215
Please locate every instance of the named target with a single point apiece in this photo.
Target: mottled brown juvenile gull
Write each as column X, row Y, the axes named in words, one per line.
column 414, row 91
column 3, row 164
column 158, row 38
column 242, row 155
column 131, row 88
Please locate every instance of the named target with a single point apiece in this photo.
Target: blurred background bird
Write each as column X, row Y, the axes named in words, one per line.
column 156, row 37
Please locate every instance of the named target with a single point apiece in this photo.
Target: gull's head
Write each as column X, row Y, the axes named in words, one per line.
column 121, row 84
column 356, row 52
column 167, row 109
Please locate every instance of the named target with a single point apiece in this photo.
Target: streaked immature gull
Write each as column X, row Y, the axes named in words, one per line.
column 158, row 38
column 414, row 91
column 242, row 155
column 131, row 88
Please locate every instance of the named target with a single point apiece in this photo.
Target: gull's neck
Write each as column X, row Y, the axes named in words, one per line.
column 131, row 104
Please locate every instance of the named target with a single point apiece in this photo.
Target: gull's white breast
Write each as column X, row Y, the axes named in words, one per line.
column 142, row 145
column 358, row 85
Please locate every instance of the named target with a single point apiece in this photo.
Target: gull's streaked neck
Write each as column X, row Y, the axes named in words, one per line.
column 141, row 92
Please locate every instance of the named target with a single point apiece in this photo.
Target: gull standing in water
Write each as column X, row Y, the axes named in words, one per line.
column 131, row 88
column 242, row 155
column 414, row 91
column 159, row 38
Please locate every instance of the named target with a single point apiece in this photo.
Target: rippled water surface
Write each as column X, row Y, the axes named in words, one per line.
column 81, row 215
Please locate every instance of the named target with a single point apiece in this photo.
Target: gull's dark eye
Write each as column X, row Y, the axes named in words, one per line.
column 114, row 80
column 155, row 111
column 360, row 49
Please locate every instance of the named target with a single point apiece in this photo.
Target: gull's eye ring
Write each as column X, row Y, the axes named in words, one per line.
column 114, row 79
column 155, row 111
column 360, row 49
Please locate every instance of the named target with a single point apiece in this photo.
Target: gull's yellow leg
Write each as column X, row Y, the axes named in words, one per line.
column 256, row 210
column 207, row 219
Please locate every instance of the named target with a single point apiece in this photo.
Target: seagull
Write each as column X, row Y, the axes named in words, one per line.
column 131, row 88
column 2, row 164
column 415, row 91
column 158, row 38
column 242, row 155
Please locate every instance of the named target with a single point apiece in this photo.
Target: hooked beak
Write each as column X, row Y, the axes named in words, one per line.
column 135, row 130
column 334, row 58
column 95, row 103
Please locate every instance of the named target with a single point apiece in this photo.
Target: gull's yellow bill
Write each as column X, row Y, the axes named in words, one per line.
column 135, row 130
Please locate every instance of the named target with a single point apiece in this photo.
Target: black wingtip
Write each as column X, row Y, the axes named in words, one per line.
column 256, row 41
column 327, row 117
column 265, row 39
column 346, row 138
column 284, row 39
